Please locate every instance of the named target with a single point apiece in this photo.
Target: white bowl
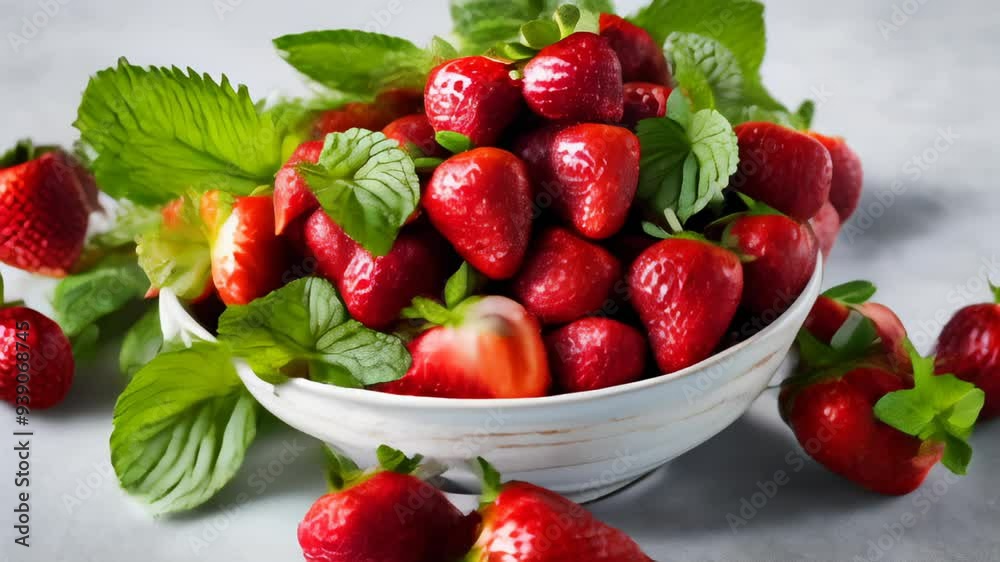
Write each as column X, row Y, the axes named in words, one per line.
column 583, row 445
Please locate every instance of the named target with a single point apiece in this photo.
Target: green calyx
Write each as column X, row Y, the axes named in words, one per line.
column 453, row 142
column 852, row 292
column 459, row 294
column 491, row 481
column 939, row 408
column 851, row 347
column 5, row 304
column 535, row 35
column 343, row 473
column 996, row 293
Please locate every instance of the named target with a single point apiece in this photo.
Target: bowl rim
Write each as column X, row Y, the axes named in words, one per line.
column 172, row 306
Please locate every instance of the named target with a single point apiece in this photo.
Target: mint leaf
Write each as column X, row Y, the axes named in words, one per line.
column 160, row 132
column 852, row 292
column 684, row 168
column 481, row 24
column 81, row 300
column 359, row 63
column 182, row 428
column 367, row 184
column 462, row 284
column 178, row 255
column 395, row 460
column 305, row 325
column 141, row 344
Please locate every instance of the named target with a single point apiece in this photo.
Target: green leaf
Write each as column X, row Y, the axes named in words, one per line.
column 182, row 428
column 481, row 24
column 539, row 34
column 855, row 338
column 462, row 284
column 178, row 255
column 340, row 471
column 490, row 481
column 358, row 62
column 305, row 324
column 423, row 308
column 161, row 132
column 82, row 299
column 23, row 151
column 132, row 221
column 453, row 142
column 367, row 184
column 852, row 292
column 957, row 454
column 395, row 460
column 141, row 344
column 996, row 292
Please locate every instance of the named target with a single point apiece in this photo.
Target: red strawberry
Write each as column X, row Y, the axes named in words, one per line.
column 30, row 340
column 474, row 96
column 594, row 353
column 329, row 244
column 480, row 201
column 565, row 277
column 826, row 227
column 385, row 517
column 292, row 196
column 248, row 259
column 641, row 57
column 969, row 347
column 415, row 135
column 686, row 292
column 526, row 523
column 388, row 105
column 644, row 100
column 588, row 172
column 487, row 347
column 779, row 259
column 848, row 177
column 43, row 214
column 783, row 168
column 578, row 78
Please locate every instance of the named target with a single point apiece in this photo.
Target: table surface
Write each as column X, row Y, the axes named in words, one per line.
column 911, row 84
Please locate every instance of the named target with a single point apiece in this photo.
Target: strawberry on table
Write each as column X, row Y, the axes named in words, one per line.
column 848, row 176
column 641, row 58
column 472, row 96
column 593, row 353
column 969, row 347
column 687, row 292
column 577, row 78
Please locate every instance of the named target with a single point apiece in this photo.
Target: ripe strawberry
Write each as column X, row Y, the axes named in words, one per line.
column 486, row 347
column 30, row 340
column 969, row 347
column 329, row 244
column 641, row 57
column 589, row 172
column 686, row 292
column 578, row 78
column 480, row 201
column 43, row 212
column 474, row 96
column 388, row 105
column 384, row 516
column 644, row 100
column 779, row 259
column 783, row 168
column 415, row 134
column 292, row 196
column 594, row 353
column 248, row 259
column 826, row 226
column 526, row 523
column 565, row 277
column 848, row 177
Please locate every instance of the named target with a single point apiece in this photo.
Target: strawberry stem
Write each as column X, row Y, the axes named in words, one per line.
column 491, row 481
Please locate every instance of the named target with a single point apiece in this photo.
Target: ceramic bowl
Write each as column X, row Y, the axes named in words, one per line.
column 583, row 445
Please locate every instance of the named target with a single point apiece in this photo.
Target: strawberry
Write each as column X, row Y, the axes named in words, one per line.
column 577, row 78
column 415, row 134
column 480, row 201
column 473, row 96
column 644, row 100
column 859, row 419
column 686, row 292
column 641, row 57
column 36, row 358
column 248, row 259
column 848, row 177
column 43, row 211
column 969, row 347
column 174, row 219
column 292, row 196
column 484, row 347
column 783, row 168
column 589, row 172
column 384, row 516
column 594, row 353
column 779, row 259
column 826, row 226
column 388, row 105
column 526, row 523
column 565, row 277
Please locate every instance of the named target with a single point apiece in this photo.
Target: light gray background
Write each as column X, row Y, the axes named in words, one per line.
column 915, row 95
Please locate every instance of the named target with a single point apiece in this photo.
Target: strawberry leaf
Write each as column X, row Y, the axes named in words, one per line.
column 340, row 470
column 463, row 284
column 305, row 326
column 82, row 299
column 396, row 461
column 481, row 24
column 142, row 343
column 367, row 184
column 852, row 292
column 423, row 308
column 177, row 255
column 491, row 483
column 939, row 408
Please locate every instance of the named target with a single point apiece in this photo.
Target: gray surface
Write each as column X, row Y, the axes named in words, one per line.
column 928, row 248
